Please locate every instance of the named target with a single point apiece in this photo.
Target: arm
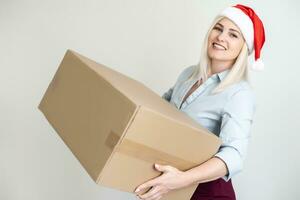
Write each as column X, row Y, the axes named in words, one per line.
column 210, row 170
column 167, row 95
column 237, row 118
column 182, row 76
column 172, row 178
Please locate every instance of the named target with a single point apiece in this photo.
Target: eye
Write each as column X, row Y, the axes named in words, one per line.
column 233, row 35
column 217, row 28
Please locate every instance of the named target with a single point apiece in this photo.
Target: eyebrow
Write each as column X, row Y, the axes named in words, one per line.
column 229, row 29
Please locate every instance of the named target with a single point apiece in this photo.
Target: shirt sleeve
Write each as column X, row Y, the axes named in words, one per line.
column 237, row 118
column 168, row 94
column 182, row 76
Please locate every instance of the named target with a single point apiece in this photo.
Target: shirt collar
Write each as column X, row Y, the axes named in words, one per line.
column 223, row 74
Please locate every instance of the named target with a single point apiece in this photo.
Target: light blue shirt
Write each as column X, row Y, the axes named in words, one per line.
column 228, row 114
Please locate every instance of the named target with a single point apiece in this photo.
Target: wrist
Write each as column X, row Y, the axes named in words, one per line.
column 187, row 178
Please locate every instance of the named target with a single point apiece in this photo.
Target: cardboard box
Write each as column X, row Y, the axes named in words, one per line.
column 118, row 128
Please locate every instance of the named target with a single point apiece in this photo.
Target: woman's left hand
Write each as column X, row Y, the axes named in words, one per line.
column 171, row 179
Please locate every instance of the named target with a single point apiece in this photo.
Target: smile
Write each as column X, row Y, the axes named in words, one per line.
column 218, row 46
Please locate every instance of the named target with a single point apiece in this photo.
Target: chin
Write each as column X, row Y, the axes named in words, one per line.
column 217, row 56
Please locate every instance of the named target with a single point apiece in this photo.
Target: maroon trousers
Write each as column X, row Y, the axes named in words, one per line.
column 214, row 190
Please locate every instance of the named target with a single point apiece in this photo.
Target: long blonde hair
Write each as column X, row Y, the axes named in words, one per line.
column 238, row 72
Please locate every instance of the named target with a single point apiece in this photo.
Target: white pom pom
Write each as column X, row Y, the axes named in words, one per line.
column 258, row 65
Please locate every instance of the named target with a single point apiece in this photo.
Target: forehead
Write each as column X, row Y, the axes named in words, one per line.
column 227, row 23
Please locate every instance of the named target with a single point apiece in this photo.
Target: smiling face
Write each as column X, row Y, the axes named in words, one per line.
column 225, row 41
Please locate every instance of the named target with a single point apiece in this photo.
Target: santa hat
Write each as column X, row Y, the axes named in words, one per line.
column 252, row 29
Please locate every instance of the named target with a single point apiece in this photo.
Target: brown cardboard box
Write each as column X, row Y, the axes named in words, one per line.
column 118, row 128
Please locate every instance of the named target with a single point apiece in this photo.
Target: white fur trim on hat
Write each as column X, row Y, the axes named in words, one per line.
column 258, row 65
column 243, row 22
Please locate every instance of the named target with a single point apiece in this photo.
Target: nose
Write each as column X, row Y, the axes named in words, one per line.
column 221, row 36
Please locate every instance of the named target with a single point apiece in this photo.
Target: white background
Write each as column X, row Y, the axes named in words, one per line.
column 151, row 41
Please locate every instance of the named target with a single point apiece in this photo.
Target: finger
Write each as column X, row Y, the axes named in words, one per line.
column 143, row 186
column 155, row 197
column 147, row 184
column 150, row 193
column 163, row 168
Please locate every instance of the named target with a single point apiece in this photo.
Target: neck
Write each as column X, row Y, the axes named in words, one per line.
column 219, row 66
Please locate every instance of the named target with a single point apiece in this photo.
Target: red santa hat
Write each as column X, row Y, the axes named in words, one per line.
column 252, row 29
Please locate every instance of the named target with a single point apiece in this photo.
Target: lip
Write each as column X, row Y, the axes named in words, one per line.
column 219, row 44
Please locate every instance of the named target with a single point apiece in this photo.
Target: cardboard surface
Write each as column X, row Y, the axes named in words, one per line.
column 118, row 128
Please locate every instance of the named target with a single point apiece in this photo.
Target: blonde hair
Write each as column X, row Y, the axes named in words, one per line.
column 238, row 72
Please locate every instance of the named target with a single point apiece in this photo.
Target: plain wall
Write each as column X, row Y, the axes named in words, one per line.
column 151, row 41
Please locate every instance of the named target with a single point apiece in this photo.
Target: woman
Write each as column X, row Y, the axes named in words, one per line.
column 216, row 93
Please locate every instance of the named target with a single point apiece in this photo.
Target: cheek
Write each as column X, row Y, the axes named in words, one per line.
column 211, row 38
column 236, row 47
column 212, row 35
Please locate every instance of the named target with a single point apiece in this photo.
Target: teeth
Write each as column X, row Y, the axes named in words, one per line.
column 218, row 46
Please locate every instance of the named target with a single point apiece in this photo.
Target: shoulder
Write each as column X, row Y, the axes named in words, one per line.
column 241, row 89
column 245, row 90
column 186, row 72
column 241, row 97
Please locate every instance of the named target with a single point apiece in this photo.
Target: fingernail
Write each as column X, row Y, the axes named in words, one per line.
column 137, row 190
